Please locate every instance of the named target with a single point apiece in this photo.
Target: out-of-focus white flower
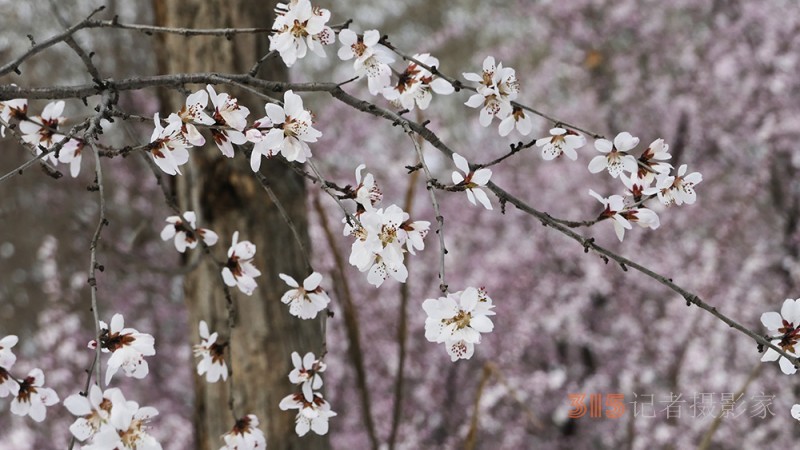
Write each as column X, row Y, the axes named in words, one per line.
column 796, row 412
column 32, row 398
column 7, row 357
column 239, row 271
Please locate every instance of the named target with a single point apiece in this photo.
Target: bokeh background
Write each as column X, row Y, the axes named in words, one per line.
column 717, row 80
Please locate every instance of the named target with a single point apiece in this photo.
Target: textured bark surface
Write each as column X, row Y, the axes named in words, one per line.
column 227, row 197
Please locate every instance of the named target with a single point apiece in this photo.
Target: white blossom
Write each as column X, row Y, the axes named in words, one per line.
column 127, row 426
column 32, row 398
column 677, row 189
column 613, row 209
column 93, row 411
column 652, row 160
column 561, row 141
column 615, row 156
column 70, row 153
column 12, row 109
column 497, row 88
column 307, row 300
column 517, row 119
column 292, row 129
column 193, row 112
column 42, row 130
column 245, row 435
column 784, row 331
column 128, row 348
column 239, row 270
column 7, row 357
column 212, row 354
column 185, row 233
column 306, row 373
column 312, row 415
column 472, row 181
column 230, row 119
column 378, row 245
column 416, row 84
column 371, row 58
column 367, row 192
column 168, row 146
column 458, row 320
column 300, row 27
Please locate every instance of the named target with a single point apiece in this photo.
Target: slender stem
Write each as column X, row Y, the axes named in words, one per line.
column 435, row 203
column 351, row 325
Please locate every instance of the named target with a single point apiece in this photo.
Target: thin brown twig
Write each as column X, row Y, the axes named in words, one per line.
column 14, row 64
column 351, row 325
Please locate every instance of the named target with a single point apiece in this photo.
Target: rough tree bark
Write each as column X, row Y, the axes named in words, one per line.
column 227, row 197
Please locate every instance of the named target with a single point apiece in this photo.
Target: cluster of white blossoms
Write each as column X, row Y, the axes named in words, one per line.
column 185, row 232
column 239, row 270
column 285, row 130
column 307, row 300
column 110, row 421
column 371, row 58
column 30, row 397
column 382, row 236
column 41, row 132
column 497, row 88
column 638, row 176
column 298, row 28
column 458, row 320
column 212, row 355
column 313, row 411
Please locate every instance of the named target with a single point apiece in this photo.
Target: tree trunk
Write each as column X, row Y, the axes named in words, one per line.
column 227, row 198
